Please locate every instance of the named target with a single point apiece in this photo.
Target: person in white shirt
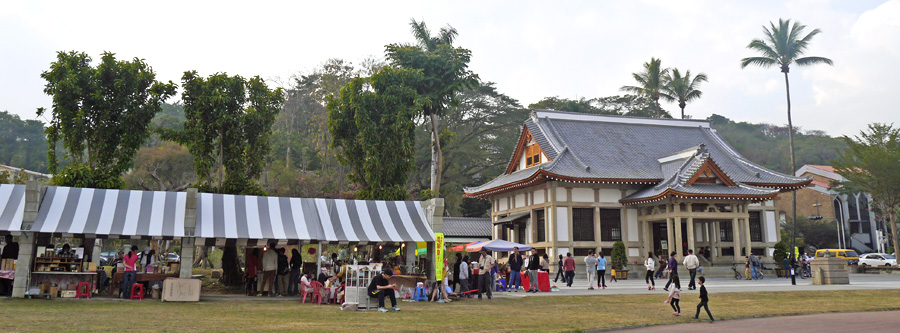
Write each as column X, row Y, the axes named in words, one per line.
column 269, row 264
column 691, row 263
column 650, row 264
column 590, row 263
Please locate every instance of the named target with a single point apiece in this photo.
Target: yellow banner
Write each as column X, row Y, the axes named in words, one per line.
column 439, row 256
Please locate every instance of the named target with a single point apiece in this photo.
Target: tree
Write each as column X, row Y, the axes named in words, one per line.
column 371, row 121
column 870, row 165
column 817, row 234
column 650, row 82
column 445, row 73
column 227, row 128
column 682, row 89
column 582, row 105
column 101, row 115
column 783, row 46
column 619, row 260
column 168, row 167
column 23, row 143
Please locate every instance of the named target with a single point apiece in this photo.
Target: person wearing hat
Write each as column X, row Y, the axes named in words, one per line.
column 485, row 279
column 380, row 288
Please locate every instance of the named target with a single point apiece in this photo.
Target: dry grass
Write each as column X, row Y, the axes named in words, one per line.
column 504, row 314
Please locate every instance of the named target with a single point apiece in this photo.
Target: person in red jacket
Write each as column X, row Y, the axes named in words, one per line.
column 252, row 265
column 569, row 267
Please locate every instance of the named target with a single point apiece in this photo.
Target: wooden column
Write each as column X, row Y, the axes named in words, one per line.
column 690, row 231
column 735, row 228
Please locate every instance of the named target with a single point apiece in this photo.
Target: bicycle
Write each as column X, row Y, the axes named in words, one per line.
column 737, row 275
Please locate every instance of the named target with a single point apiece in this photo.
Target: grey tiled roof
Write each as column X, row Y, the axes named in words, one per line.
column 608, row 147
column 467, row 227
column 686, row 168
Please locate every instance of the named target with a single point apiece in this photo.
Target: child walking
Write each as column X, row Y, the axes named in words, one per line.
column 674, row 299
column 704, row 300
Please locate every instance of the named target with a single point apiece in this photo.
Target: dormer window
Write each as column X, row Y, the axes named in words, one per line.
column 532, row 155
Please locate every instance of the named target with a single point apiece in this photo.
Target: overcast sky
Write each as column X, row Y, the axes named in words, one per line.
column 531, row 49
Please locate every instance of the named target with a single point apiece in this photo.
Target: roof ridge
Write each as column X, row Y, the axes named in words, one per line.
column 624, row 119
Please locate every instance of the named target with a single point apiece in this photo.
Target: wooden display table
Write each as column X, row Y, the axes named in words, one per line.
column 139, row 277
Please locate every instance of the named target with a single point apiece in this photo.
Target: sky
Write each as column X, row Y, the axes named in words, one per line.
column 530, row 49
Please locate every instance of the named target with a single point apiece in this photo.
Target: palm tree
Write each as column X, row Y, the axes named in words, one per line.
column 682, row 89
column 428, row 42
column 649, row 82
column 782, row 46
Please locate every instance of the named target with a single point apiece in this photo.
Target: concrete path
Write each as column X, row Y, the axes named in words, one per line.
column 878, row 321
column 719, row 285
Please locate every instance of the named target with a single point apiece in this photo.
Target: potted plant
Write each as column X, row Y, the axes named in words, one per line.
column 620, row 260
column 781, row 251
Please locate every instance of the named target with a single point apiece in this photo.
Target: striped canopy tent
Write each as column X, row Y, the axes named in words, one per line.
column 498, row 245
column 224, row 219
column 96, row 213
column 462, row 247
column 12, row 208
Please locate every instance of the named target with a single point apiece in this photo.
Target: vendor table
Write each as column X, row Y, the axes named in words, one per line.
column 60, row 278
column 139, row 277
column 408, row 281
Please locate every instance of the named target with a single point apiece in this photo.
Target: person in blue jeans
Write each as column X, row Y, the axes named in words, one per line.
column 754, row 266
column 515, row 270
column 128, row 278
column 601, row 271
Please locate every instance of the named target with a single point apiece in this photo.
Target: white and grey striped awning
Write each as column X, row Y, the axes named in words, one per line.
column 111, row 213
column 12, row 207
column 254, row 219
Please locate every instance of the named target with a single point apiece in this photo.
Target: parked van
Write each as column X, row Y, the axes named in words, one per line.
column 851, row 256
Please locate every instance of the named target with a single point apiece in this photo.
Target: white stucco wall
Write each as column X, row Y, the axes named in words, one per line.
column 562, row 224
column 610, row 195
column 520, row 200
column 771, row 227
column 503, row 204
column 583, row 195
column 631, row 219
column 562, row 194
column 539, row 197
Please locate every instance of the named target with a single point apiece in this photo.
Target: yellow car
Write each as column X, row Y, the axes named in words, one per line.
column 851, row 256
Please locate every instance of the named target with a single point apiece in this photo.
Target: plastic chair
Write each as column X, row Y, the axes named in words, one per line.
column 83, row 290
column 501, row 284
column 317, row 292
column 304, row 293
column 420, row 294
column 140, row 293
column 337, row 292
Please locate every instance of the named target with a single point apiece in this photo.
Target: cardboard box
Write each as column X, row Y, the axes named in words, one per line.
column 174, row 268
column 181, row 290
column 54, row 291
column 68, row 294
column 91, row 267
column 44, row 287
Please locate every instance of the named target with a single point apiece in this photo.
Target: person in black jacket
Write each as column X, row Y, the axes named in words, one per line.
column 559, row 270
column 704, row 300
column 455, row 275
column 515, row 270
column 296, row 270
column 283, row 272
column 534, row 264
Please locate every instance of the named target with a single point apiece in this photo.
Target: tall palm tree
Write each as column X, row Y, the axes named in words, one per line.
column 650, row 82
column 782, row 46
column 682, row 89
column 428, row 42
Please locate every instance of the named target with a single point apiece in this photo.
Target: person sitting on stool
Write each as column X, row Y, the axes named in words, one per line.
column 380, row 288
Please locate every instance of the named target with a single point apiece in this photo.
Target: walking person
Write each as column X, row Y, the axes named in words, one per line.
column 252, row 267
column 672, row 269
column 569, row 267
column 590, row 263
column 747, row 268
column 691, row 263
column 534, row 264
column 601, row 271
column 662, row 266
column 560, row 270
column 455, row 280
column 515, row 270
column 485, row 278
column 674, row 300
column 704, row 301
column 284, row 272
column 650, row 264
column 754, row 266
column 463, row 276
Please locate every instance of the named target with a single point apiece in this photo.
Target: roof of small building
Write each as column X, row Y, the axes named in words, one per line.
column 614, row 149
column 467, row 227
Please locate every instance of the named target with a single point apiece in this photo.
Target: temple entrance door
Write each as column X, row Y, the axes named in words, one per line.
column 660, row 238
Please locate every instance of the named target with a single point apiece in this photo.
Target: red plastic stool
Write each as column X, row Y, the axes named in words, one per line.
column 83, row 290
column 140, row 293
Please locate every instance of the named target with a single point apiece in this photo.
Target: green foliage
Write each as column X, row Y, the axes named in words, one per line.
column 620, row 105
column 168, row 167
column 4, row 177
column 650, row 83
column 371, row 121
column 782, row 250
column 682, row 89
column 818, row 234
column 618, row 257
column 782, row 46
column 229, row 121
column 870, row 165
column 21, row 178
column 445, row 72
column 22, row 143
column 101, row 114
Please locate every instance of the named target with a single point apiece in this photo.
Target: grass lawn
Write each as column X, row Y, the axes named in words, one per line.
column 504, row 314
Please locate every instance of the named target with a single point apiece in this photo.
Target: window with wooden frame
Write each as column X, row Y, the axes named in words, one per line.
column 610, row 225
column 532, row 155
column 583, row 224
column 541, row 225
column 725, row 231
column 755, row 226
